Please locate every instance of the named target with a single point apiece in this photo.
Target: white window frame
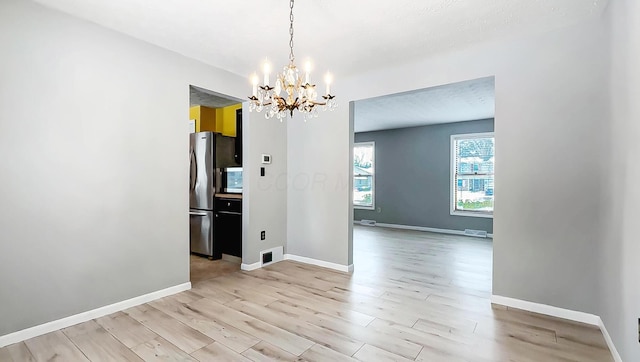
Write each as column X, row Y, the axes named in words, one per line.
column 453, row 184
column 373, row 176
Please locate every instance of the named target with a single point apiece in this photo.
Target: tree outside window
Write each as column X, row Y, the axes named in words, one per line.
column 363, row 175
column 472, row 174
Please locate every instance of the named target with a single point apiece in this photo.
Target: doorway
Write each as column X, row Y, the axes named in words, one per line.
column 215, row 184
column 423, row 169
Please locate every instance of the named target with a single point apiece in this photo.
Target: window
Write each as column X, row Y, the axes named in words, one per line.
column 363, row 166
column 472, row 166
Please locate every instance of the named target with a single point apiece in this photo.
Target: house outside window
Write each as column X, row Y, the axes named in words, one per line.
column 472, row 174
column 363, row 175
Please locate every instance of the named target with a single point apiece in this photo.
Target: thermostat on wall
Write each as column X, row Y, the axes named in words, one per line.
column 266, row 158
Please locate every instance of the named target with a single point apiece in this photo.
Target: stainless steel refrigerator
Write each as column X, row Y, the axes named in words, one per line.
column 207, row 151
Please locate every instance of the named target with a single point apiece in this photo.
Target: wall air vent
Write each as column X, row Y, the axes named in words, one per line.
column 476, row 233
column 368, row 222
column 272, row 255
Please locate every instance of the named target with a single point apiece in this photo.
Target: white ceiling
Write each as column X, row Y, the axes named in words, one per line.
column 344, row 36
column 456, row 102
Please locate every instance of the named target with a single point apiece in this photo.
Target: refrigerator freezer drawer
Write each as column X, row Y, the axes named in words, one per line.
column 201, row 233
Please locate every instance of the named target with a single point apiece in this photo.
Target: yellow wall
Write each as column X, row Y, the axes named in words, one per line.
column 221, row 120
column 227, row 119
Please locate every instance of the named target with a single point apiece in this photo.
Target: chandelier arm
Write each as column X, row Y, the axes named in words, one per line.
column 299, row 95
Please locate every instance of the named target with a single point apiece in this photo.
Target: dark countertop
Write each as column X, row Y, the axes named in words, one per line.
column 229, row 196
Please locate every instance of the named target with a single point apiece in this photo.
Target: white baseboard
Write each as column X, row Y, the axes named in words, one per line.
column 48, row 327
column 422, row 228
column 250, row 267
column 302, row 259
column 321, row 263
column 571, row 315
column 607, row 338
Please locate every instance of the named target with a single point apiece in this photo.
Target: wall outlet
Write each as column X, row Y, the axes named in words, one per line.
column 263, row 235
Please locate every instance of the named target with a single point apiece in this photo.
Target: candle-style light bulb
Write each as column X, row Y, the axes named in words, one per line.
column 254, row 81
column 307, row 68
column 266, row 68
column 328, row 78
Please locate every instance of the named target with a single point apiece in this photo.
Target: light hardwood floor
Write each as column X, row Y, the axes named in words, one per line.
column 201, row 268
column 413, row 296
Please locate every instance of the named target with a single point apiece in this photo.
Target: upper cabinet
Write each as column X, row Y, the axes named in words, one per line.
column 227, row 117
column 205, row 118
column 220, row 120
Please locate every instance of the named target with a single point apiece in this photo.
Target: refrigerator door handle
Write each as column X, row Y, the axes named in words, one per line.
column 194, row 213
column 193, row 175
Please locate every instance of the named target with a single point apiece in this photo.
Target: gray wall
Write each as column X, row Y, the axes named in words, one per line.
column 413, row 176
column 618, row 249
column 319, row 192
column 94, row 139
column 264, row 197
column 549, row 121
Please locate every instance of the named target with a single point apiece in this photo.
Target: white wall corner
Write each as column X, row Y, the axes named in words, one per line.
column 607, row 338
column 571, row 315
column 250, row 267
column 320, row 263
column 48, row 327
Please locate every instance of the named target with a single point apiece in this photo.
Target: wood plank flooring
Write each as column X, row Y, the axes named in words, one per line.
column 202, row 268
column 414, row 296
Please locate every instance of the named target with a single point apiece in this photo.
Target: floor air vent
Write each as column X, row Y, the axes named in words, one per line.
column 476, row 233
column 368, row 222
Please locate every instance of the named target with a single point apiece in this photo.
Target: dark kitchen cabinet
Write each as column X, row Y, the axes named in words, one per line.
column 228, row 230
column 238, row 149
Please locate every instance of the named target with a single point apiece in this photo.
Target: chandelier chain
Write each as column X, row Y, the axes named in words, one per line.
column 292, row 91
column 291, row 56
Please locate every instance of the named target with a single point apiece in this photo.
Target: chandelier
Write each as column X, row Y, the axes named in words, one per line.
column 291, row 91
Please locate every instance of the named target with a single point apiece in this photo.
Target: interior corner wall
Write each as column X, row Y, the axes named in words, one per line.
column 352, row 113
column 264, row 197
column 319, row 177
column 413, row 176
column 550, row 106
column 94, row 139
column 618, row 250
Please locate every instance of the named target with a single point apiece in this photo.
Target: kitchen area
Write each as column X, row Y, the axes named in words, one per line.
column 215, row 184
